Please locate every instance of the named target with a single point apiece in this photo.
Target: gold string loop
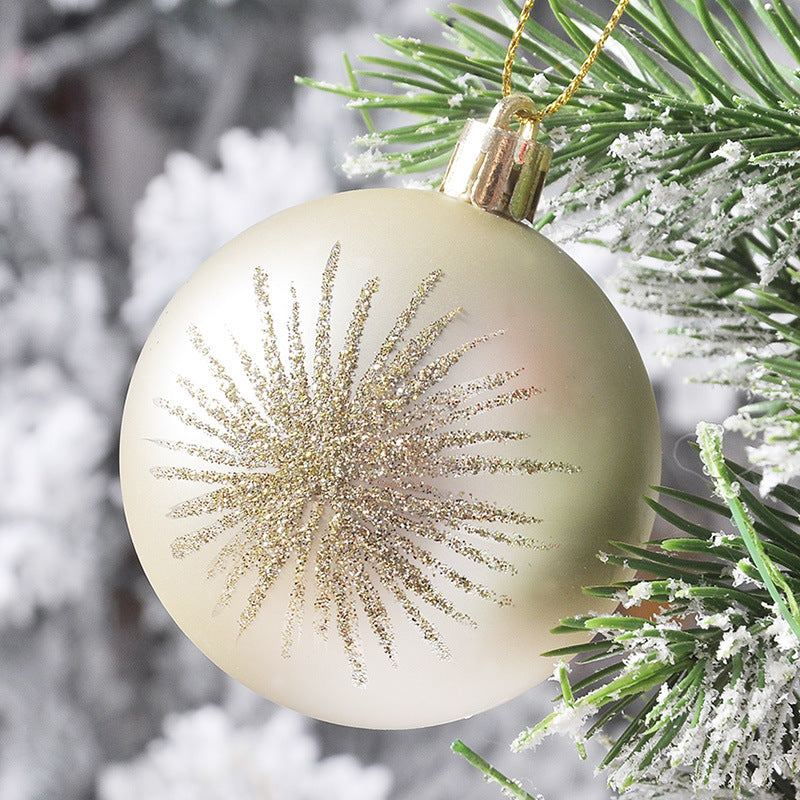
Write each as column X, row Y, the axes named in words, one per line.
column 572, row 87
column 504, row 172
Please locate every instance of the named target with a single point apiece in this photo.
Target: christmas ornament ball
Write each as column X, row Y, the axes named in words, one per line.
column 371, row 450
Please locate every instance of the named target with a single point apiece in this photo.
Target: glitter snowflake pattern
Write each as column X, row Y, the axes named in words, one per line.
column 333, row 475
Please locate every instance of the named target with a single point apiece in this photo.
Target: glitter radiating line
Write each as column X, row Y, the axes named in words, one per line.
column 327, row 474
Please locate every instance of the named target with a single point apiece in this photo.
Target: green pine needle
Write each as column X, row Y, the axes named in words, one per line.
column 710, row 439
column 509, row 787
column 710, row 636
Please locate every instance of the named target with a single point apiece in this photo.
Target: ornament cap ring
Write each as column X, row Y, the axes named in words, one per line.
column 522, row 108
column 497, row 169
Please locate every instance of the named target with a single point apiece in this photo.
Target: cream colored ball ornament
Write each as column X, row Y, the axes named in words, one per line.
column 371, row 450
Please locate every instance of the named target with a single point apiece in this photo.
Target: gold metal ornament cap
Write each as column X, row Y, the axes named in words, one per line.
column 497, row 169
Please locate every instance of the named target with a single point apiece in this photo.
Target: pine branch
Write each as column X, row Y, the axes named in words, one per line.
column 509, row 787
column 704, row 695
column 728, row 487
column 466, row 81
column 714, row 673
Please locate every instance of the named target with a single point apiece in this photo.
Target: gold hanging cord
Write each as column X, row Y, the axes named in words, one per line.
column 573, row 85
column 502, row 171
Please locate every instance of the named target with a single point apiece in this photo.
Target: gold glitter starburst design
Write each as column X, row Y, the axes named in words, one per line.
column 332, row 473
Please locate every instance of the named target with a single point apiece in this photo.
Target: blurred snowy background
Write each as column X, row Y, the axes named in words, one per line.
column 136, row 137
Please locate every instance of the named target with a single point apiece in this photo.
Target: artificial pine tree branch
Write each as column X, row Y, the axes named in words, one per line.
column 727, row 487
column 714, row 675
column 509, row 787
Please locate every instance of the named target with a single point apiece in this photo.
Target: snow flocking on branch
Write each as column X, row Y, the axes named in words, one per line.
column 53, row 441
column 731, row 725
column 39, row 201
column 753, row 725
column 191, row 210
column 56, row 402
column 202, row 754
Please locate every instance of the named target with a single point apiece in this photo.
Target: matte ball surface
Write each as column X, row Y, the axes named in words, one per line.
column 371, row 450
